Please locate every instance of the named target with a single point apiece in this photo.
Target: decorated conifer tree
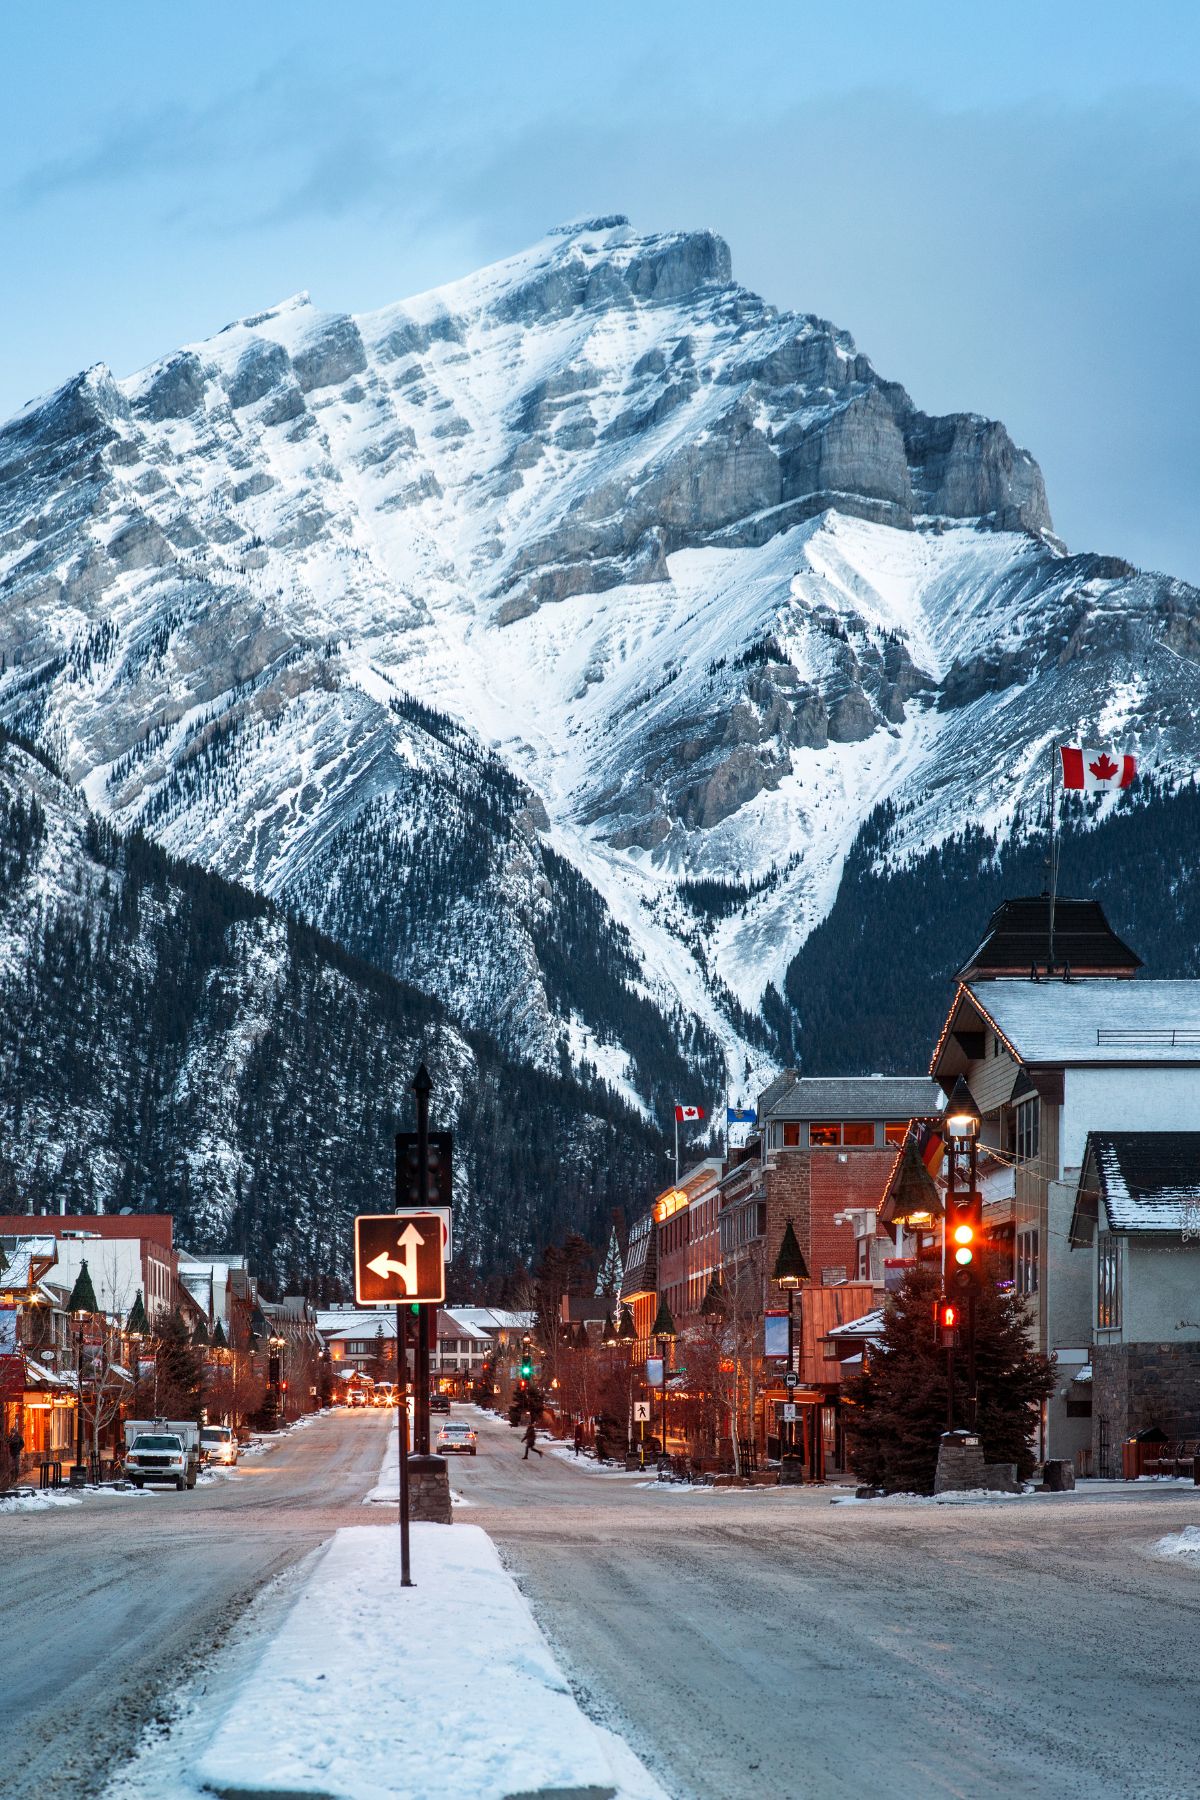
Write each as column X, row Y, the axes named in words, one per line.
column 897, row 1407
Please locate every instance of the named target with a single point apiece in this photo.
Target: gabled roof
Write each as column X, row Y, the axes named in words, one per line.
column 1017, row 940
column 641, row 1259
column 1099, row 1023
column 856, row 1097
column 866, row 1330
column 1146, row 1181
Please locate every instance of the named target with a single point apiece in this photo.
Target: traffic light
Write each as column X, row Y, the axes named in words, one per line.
column 440, row 1164
column 526, row 1360
column 965, row 1226
column 946, row 1315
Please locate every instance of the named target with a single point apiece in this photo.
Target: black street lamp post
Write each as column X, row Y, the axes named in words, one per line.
column 790, row 1270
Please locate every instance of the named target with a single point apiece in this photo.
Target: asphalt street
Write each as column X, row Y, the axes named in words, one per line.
column 764, row 1643
column 109, row 1603
column 771, row 1643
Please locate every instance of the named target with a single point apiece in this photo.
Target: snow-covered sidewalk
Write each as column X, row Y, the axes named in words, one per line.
column 368, row 1690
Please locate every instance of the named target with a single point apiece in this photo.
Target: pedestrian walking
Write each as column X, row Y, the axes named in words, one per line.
column 16, row 1443
column 530, row 1441
column 579, row 1437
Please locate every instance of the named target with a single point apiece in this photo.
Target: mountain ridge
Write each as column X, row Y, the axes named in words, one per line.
column 699, row 589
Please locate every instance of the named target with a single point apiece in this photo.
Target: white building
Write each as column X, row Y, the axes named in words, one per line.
column 1049, row 1061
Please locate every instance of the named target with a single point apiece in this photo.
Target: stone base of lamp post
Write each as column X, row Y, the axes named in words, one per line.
column 429, row 1490
column 960, row 1466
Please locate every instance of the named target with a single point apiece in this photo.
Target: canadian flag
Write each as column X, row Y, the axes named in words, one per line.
column 1095, row 771
column 689, row 1112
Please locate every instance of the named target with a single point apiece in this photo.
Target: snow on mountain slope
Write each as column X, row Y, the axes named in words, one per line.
column 593, row 564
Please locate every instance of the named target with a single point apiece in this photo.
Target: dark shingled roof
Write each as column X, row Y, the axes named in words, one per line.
column 1018, row 939
column 1148, row 1180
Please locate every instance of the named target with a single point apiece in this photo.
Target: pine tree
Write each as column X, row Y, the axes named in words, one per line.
column 180, row 1369
column 83, row 1294
column 612, row 1270
column 896, row 1409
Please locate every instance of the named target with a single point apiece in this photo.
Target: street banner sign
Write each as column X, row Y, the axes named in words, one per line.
column 398, row 1257
column 654, row 1371
column 775, row 1334
column 789, row 1412
column 641, row 1412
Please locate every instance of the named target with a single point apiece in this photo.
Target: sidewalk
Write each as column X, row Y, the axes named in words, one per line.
column 370, row 1691
column 349, row 1687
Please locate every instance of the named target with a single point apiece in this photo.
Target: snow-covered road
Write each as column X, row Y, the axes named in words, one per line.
column 769, row 1643
column 108, row 1603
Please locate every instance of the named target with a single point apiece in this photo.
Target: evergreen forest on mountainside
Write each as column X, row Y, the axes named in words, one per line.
column 174, row 1043
column 870, row 987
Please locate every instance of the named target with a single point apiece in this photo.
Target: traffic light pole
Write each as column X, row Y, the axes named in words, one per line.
column 972, row 1396
column 406, row 1579
column 420, row 1087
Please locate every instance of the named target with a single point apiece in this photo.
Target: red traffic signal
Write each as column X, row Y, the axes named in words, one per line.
column 946, row 1316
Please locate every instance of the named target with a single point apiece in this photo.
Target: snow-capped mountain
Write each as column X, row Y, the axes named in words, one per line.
column 548, row 637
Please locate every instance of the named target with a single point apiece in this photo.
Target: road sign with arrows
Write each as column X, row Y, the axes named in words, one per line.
column 398, row 1257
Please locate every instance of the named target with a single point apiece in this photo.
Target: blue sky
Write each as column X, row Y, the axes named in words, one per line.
column 1001, row 204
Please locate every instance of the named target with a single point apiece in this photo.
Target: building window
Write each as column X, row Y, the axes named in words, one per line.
column 895, row 1131
column 824, row 1135
column 791, row 1137
column 1027, row 1261
column 1026, row 1131
column 1108, row 1297
column 858, row 1134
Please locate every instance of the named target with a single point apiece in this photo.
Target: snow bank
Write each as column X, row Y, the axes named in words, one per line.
column 37, row 1500
column 587, row 1464
column 967, row 1497
column 371, row 1691
column 1185, row 1543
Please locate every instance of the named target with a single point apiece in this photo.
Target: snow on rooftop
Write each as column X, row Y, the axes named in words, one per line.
column 1094, row 1021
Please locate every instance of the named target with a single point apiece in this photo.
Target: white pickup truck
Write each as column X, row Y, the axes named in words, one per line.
column 162, row 1450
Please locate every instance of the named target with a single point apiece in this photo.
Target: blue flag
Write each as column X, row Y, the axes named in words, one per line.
column 741, row 1115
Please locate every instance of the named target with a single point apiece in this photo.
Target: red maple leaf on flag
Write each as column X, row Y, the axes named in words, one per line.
column 1104, row 768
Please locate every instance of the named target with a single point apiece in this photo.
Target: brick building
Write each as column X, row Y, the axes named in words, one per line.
column 126, row 1253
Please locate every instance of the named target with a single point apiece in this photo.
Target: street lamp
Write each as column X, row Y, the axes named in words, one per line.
column 663, row 1330
column 790, row 1270
column 275, row 1375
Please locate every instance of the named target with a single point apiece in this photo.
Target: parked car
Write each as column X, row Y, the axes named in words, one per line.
column 160, row 1456
column 439, row 1403
column 218, row 1444
column 456, row 1437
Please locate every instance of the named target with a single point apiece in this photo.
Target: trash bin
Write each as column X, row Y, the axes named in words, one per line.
column 1059, row 1475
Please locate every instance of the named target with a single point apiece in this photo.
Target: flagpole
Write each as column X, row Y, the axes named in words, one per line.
column 676, row 1146
column 1053, row 853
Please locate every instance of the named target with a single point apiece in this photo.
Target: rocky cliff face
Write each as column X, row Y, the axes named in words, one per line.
column 477, row 628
